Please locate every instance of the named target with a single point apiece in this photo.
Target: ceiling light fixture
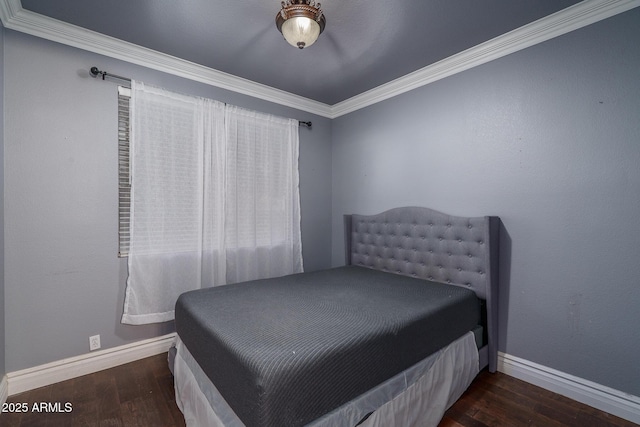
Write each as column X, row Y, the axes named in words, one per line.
column 300, row 22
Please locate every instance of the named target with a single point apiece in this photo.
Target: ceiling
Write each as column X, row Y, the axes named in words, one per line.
column 366, row 43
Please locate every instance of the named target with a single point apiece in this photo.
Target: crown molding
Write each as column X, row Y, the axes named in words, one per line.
column 572, row 18
column 587, row 12
column 8, row 9
column 16, row 18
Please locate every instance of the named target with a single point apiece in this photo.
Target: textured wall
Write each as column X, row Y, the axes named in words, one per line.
column 546, row 138
column 63, row 278
column 549, row 140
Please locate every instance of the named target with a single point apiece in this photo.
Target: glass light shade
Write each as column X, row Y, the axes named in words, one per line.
column 300, row 31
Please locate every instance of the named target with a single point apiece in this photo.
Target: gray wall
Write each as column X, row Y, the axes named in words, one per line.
column 63, row 279
column 549, row 140
column 2, row 327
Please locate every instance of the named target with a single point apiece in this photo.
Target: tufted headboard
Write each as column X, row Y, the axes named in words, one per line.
column 427, row 244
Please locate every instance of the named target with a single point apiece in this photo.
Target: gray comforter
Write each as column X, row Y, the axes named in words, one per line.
column 285, row 351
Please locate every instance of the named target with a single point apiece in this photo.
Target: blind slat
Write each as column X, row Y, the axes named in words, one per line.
column 124, row 182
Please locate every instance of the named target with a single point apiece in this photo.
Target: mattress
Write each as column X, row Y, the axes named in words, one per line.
column 418, row 396
column 283, row 352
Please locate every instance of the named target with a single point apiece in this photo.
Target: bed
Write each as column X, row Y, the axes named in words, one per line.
column 392, row 338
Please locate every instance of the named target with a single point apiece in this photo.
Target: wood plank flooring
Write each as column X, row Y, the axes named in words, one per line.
column 141, row 394
column 500, row 400
column 136, row 394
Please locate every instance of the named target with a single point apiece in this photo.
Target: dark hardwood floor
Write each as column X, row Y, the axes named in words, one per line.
column 141, row 394
column 136, row 394
column 500, row 400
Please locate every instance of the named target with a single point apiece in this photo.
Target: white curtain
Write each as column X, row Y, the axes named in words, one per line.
column 262, row 168
column 214, row 199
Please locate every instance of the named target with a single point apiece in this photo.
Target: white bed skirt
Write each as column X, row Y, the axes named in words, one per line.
column 417, row 397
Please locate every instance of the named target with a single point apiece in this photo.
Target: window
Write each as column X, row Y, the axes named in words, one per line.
column 208, row 196
column 124, row 181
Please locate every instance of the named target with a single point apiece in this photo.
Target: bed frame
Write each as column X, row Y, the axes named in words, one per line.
column 428, row 244
column 416, row 242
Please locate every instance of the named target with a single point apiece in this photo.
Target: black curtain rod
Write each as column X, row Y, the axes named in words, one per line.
column 95, row 72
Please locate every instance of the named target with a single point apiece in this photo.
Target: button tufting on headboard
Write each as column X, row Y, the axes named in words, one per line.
column 423, row 243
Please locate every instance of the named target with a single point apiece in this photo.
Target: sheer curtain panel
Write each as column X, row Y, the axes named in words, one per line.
column 214, row 199
column 262, row 225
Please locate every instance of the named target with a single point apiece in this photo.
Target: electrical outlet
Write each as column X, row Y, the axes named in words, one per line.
column 94, row 342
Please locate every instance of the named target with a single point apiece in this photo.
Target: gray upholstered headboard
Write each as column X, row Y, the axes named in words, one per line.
column 427, row 244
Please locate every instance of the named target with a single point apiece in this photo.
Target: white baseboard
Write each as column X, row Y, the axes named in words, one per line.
column 598, row 396
column 62, row 370
column 606, row 399
column 4, row 390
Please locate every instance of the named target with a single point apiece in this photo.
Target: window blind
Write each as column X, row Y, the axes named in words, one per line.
column 124, row 180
